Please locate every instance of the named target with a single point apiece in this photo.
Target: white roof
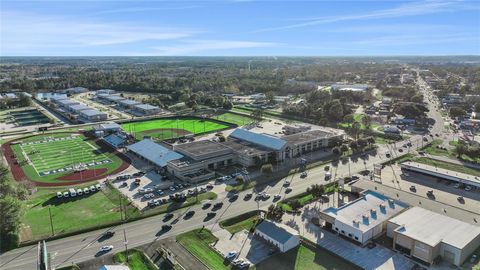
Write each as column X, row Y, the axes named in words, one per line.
column 91, row 112
column 364, row 205
column 154, row 152
column 432, row 228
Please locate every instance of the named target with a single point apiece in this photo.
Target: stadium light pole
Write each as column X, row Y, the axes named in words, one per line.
column 51, row 220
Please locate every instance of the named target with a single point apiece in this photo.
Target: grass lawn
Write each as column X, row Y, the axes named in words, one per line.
column 162, row 129
column 241, row 187
column 197, row 242
column 137, row 260
column 239, row 120
column 357, row 117
column 70, row 214
column 305, row 257
column 53, row 155
column 242, row 222
column 448, row 166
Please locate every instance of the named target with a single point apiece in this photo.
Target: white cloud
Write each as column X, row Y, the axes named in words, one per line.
column 193, row 47
column 22, row 31
column 409, row 9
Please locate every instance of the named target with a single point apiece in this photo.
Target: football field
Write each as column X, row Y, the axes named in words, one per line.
column 51, row 155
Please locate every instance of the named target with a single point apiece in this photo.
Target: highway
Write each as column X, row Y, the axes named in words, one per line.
column 84, row 246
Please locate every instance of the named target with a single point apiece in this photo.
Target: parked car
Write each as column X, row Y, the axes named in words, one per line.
column 59, row 194
column 303, row 174
column 86, row 190
column 248, row 196
column 166, row 227
column 66, row 194
column 93, row 189
column 218, row 205
column 172, row 189
column 456, row 185
column 413, row 188
column 98, row 186
column 286, row 183
column 231, row 255
column 277, row 197
column 190, row 213
column 79, row 192
column 137, row 181
column 468, row 188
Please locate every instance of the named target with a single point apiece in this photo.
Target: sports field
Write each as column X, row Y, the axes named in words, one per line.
column 52, row 155
column 61, row 157
column 163, row 129
column 237, row 119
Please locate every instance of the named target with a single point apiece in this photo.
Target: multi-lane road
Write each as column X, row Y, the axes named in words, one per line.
column 84, row 246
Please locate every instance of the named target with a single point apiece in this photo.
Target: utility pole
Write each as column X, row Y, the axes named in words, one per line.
column 121, row 209
column 125, row 241
column 51, row 221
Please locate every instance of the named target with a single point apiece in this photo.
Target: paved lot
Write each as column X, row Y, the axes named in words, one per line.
column 443, row 190
column 250, row 247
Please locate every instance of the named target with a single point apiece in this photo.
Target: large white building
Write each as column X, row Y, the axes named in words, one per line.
column 364, row 218
column 425, row 235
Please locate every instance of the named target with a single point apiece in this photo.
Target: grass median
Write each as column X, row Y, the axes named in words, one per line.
column 137, row 260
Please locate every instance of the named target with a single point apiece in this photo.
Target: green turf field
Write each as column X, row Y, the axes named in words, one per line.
column 52, row 155
column 162, row 129
column 44, row 158
column 239, row 120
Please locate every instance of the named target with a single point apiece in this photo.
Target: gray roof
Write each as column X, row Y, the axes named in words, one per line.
column 114, row 98
column 279, row 232
column 128, row 102
column 79, row 107
column 146, row 107
column 154, row 152
column 267, row 141
column 91, row 112
column 106, row 126
column 432, row 228
column 67, row 101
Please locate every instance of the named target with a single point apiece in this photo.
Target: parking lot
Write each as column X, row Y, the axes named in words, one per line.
column 444, row 191
column 246, row 245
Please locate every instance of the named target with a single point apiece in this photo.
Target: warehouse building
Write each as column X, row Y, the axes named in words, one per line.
column 425, row 235
column 279, row 235
column 364, row 218
column 146, row 109
column 65, row 103
column 103, row 129
column 128, row 103
column 77, row 108
column 92, row 115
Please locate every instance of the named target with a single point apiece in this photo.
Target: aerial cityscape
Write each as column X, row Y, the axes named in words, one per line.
column 268, row 135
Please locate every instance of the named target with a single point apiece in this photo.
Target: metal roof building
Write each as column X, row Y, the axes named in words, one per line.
column 425, row 235
column 153, row 152
column 264, row 140
column 278, row 234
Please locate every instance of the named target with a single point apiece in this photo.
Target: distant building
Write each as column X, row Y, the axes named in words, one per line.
column 105, row 91
column 388, row 129
column 128, row 103
column 65, row 103
column 363, row 219
column 404, row 121
column 77, row 108
column 349, row 87
column 426, row 235
column 278, row 235
column 147, row 109
column 75, row 90
column 92, row 115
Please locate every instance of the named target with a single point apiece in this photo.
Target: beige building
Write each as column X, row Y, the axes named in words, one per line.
column 425, row 236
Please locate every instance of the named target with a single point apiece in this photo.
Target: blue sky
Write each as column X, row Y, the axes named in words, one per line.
column 239, row 28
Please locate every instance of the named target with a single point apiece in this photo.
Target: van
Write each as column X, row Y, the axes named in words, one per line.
column 73, row 193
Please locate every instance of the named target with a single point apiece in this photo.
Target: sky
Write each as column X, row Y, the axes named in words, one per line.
column 238, row 28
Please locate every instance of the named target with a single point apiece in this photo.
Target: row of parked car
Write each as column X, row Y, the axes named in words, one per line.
column 179, row 196
column 239, row 263
column 72, row 192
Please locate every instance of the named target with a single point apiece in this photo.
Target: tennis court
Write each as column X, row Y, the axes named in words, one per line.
column 52, row 155
column 163, row 129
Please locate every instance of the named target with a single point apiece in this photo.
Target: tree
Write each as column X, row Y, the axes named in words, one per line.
column 477, row 107
column 367, row 121
column 456, row 112
column 418, row 98
column 344, row 148
column 335, row 111
column 240, row 179
column 336, row 150
column 266, row 168
column 411, row 110
column 355, row 130
column 349, row 118
column 275, row 212
column 316, row 190
column 257, row 114
column 270, row 96
column 354, row 145
column 362, row 142
column 227, row 105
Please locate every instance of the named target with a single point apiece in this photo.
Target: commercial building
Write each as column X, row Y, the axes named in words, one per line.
column 146, row 109
column 156, row 154
column 65, row 103
column 309, row 141
column 107, row 128
column 92, row 115
column 425, row 235
column 389, row 129
column 364, row 218
column 278, row 235
column 77, row 108
column 75, row 90
column 128, row 103
column 349, row 87
column 294, row 129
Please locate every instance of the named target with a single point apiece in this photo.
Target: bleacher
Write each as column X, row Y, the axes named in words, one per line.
column 116, row 140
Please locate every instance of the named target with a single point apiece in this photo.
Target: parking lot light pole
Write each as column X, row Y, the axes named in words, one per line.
column 125, row 241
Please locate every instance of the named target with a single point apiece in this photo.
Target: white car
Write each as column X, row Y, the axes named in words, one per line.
column 457, row 185
column 172, row 189
column 266, row 196
column 237, row 262
column 106, row 248
column 79, row 192
column 59, row 194
column 277, row 196
column 468, row 188
column 93, row 189
column 86, row 190
column 98, row 186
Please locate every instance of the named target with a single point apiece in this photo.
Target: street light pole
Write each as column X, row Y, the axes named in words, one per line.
column 126, row 244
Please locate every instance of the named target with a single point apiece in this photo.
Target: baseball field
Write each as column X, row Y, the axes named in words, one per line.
column 163, row 129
